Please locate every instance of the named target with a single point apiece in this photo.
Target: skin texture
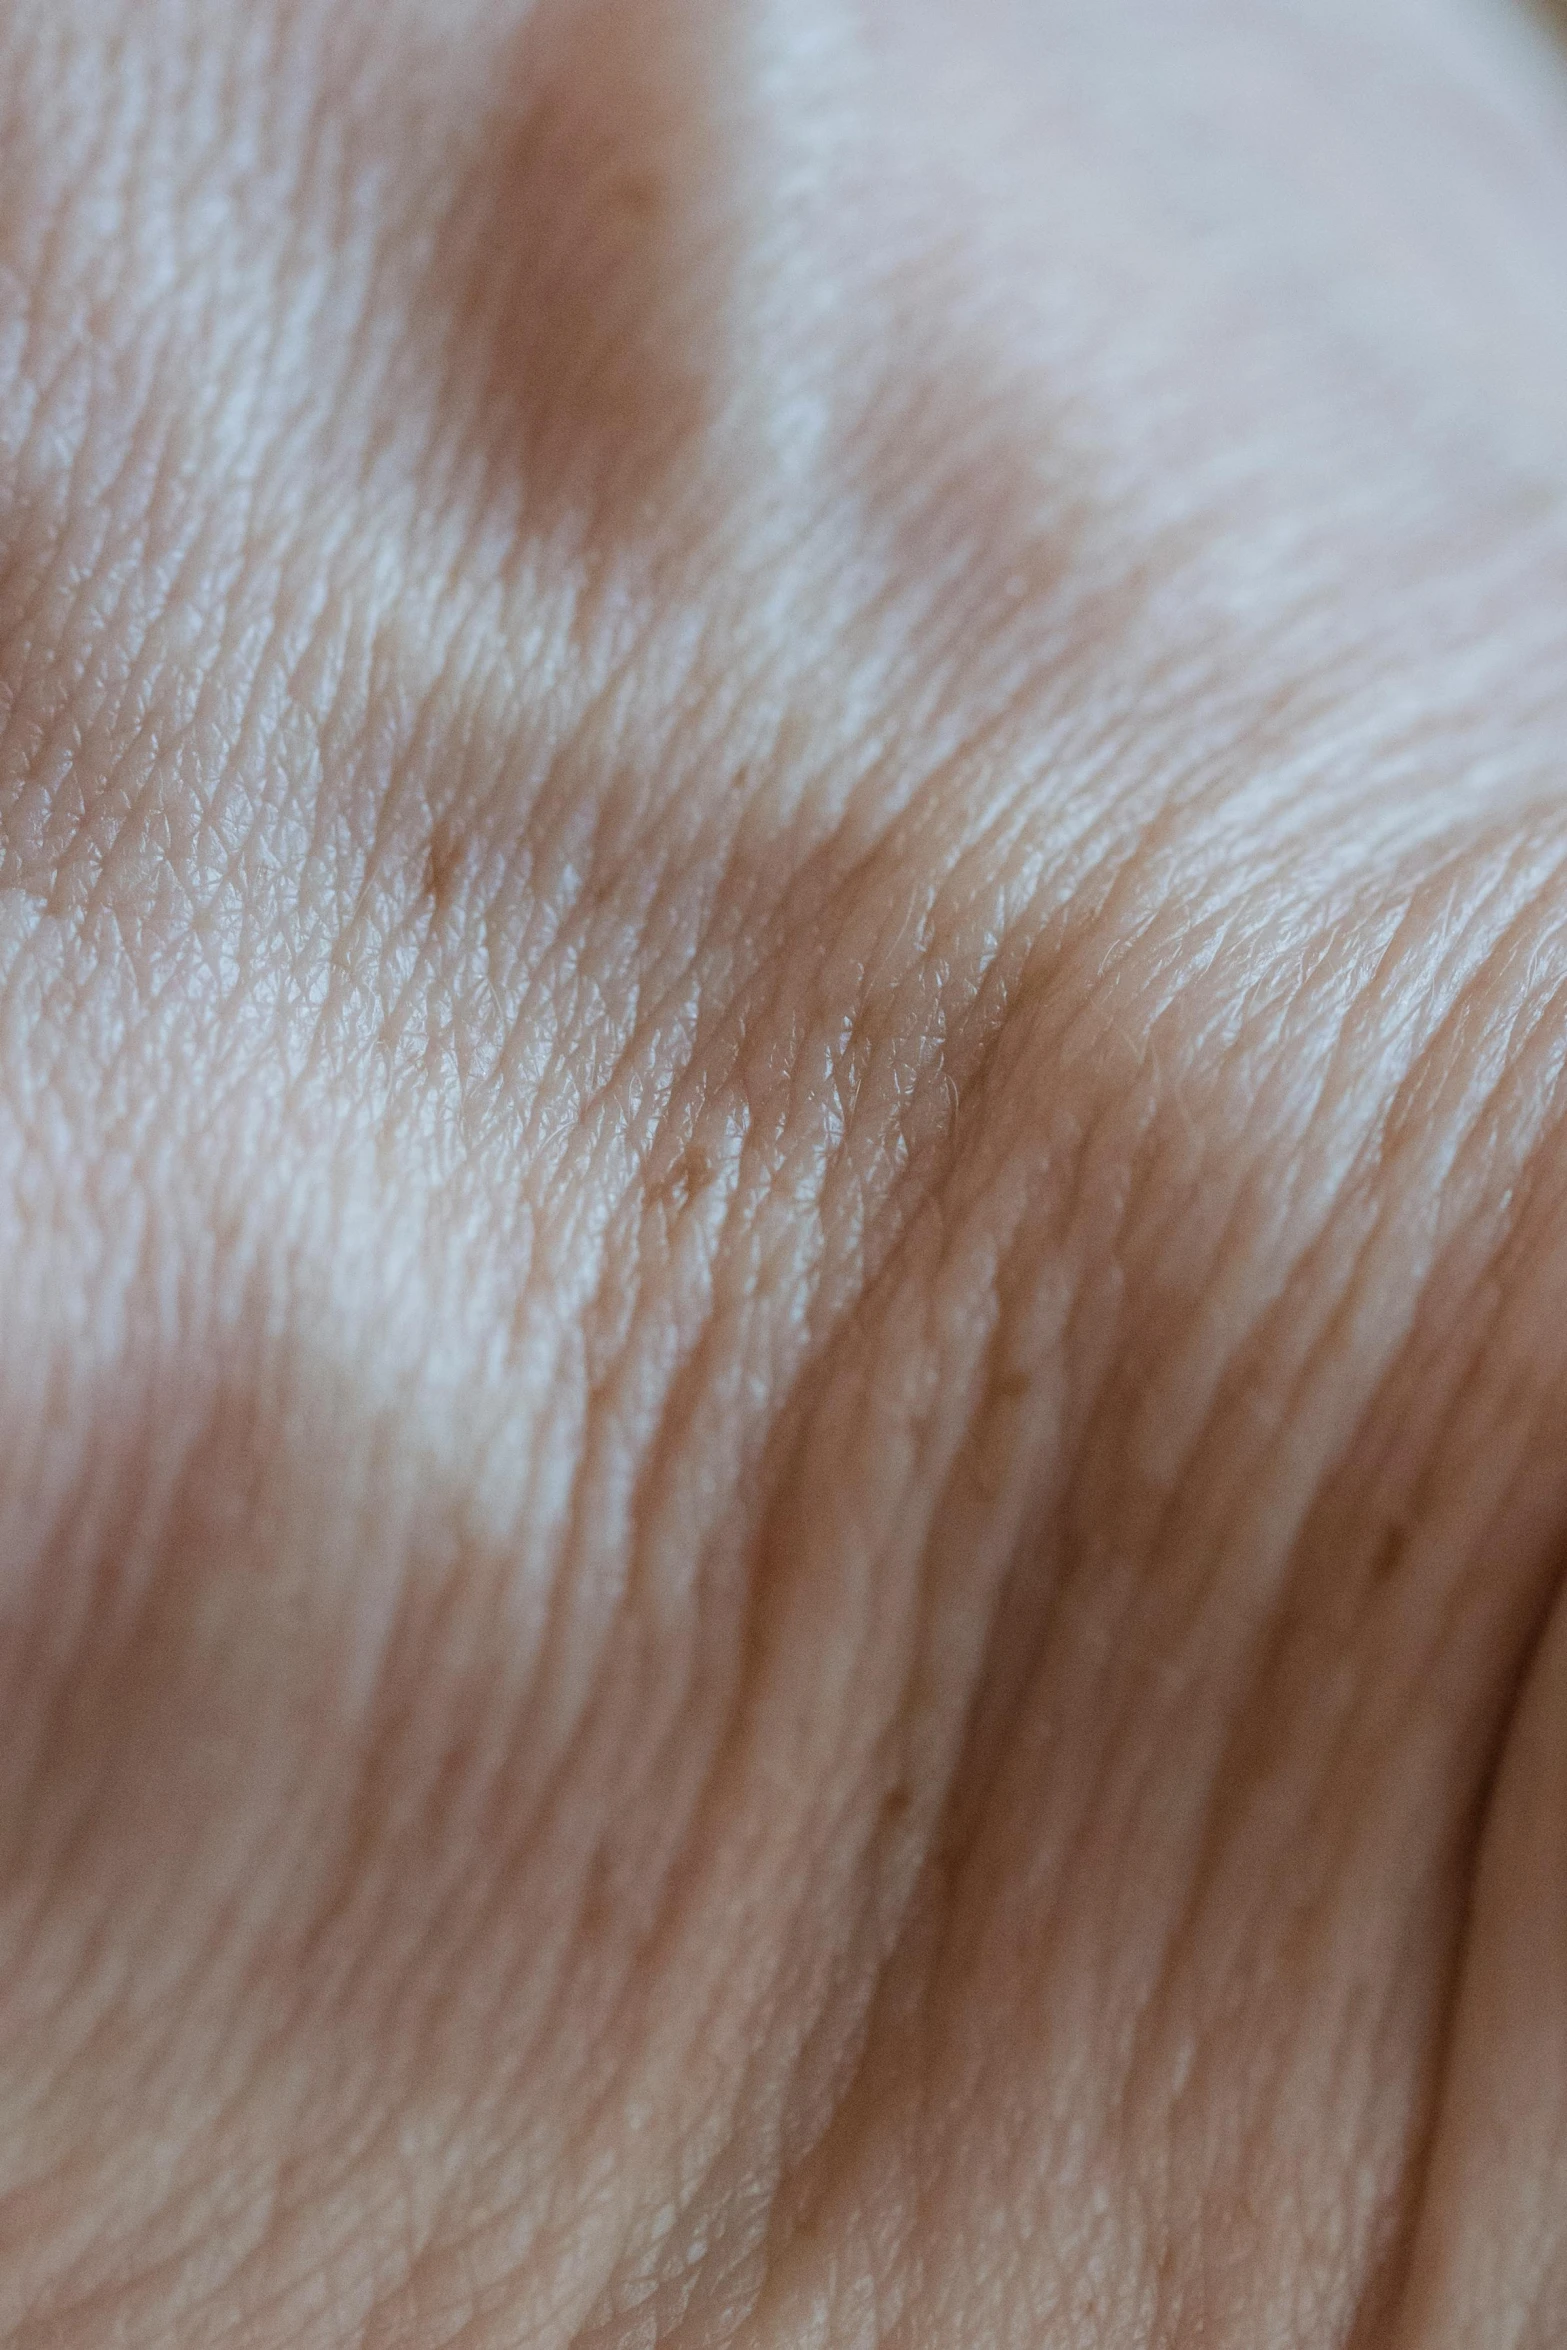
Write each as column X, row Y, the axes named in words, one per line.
column 783, row 1206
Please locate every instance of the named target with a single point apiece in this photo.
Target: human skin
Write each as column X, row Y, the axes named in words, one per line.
column 783, row 1206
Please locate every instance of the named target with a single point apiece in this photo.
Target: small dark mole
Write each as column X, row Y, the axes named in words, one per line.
column 692, row 1173
column 896, row 1805
column 1011, row 1385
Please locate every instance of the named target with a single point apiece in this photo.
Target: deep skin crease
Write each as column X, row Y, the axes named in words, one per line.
column 783, row 1204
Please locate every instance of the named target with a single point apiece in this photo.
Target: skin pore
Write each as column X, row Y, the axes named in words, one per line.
column 783, row 1212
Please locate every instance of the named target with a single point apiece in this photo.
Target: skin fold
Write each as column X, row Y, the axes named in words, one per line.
column 783, row 1201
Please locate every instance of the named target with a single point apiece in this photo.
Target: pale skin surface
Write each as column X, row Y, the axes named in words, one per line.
column 783, row 1194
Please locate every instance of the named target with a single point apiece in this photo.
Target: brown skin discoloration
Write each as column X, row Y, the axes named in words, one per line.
column 568, row 265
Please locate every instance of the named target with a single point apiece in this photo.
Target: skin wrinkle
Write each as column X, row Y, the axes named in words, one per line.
column 1505, row 1711
column 795, row 1054
column 1420, row 1059
column 1398, row 2301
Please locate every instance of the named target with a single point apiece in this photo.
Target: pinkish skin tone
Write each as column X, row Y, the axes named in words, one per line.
column 783, row 1206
